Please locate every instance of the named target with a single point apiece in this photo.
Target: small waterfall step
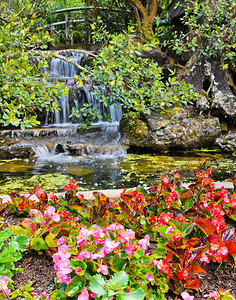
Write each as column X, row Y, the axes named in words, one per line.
column 56, row 131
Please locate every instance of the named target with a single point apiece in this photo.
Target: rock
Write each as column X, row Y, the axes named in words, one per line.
column 207, row 74
column 15, row 151
column 227, row 142
column 160, row 58
column 184, row 129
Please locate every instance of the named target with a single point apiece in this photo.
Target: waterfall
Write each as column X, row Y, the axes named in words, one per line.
column 61, row 68
column 42, row 151
column 77, row 96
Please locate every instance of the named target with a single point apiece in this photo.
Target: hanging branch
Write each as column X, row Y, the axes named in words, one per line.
column 77, row 50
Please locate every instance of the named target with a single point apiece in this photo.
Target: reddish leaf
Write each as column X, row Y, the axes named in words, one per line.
column 205, row 226
column 196, row 269
column 29, row 225
column 126, row 198
column 207, row 188
column 231, row 247
column 194, row 243
column 230, row 259
column 124, row 210
column 186, row 194
column 228, row 233
column 233, row 179
column 192, row 283
column 100, row 196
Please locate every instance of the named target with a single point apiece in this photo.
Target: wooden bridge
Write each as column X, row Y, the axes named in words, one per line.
column 68, row 22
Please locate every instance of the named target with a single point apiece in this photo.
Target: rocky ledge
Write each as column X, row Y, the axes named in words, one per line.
column 182, row 129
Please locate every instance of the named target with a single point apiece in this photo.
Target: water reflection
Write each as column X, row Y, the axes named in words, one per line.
column 106, row 171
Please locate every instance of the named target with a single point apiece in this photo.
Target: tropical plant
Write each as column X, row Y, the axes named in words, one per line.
column 211, row 29
column 134, row 82
column 24, row 90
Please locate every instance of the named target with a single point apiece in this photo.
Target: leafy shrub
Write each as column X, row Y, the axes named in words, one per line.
column 24, row 90
column 134, row 82
column 214, row 34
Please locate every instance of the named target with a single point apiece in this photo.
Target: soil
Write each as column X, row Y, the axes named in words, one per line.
column 38, row 268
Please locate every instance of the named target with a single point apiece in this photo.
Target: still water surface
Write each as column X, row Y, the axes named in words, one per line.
column 107, row 171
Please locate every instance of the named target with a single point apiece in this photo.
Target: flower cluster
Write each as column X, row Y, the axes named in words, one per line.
column 94, row 244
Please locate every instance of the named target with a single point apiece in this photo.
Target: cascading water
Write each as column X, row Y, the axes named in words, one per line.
column 63, row 70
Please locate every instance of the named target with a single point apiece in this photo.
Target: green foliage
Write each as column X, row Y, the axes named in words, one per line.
column 212, row 27
column 11, row 248
column 114, row 286
column 24, row 91
column 133, row 81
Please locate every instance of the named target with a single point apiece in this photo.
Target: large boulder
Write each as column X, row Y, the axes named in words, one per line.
column 184, row 129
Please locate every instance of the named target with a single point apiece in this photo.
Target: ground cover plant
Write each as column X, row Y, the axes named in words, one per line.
column 149, row 244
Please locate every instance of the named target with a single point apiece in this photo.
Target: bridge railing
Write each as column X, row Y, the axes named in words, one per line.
column 69, row 22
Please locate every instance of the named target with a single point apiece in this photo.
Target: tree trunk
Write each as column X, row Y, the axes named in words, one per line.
column 216, row 95
column 148, row 14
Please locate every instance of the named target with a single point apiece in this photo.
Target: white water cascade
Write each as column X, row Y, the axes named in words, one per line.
column 63, row 71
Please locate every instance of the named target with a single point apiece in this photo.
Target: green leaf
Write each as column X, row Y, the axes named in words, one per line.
column 97, row 285
column 76, row 263
column 138, row 253
column 22, row 240
column 58, row 295
column 5, row 235
column 117, row 263
column 38, row 244
column 9, row 257
column 75, row 286
column 118, row 280
column 141, row 190
column 139, row 294
column 50, row 240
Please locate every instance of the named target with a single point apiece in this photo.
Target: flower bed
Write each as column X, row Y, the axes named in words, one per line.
column 147, row 244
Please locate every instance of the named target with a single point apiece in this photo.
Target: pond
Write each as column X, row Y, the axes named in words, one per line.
column 108, row 171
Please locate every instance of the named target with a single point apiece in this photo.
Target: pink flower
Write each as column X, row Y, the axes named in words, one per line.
column 110, row 245
column 170, row 229
column 61, row 241
column 63, row 251
column 149, row 277
column 3, row 285
column 186, row 296
column 102, row 269
column 84, row 294
column 129, row 248
column 56, row 218
column 127, row 236
column 64, row 266
column 83, row 254
column 154, row 262
column 35, row 213
column 92, row 294
column 114, row 227
column 39, row 192
column 143, row 243
column 49, row 212
column 214, row 295
column 83, row 237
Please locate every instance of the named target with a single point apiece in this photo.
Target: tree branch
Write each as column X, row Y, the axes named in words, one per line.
column 139, row 6
column 76, row 50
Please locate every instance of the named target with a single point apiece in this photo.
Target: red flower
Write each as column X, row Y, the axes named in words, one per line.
column 165, row 180
column 183, row 274
column 21, row 206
